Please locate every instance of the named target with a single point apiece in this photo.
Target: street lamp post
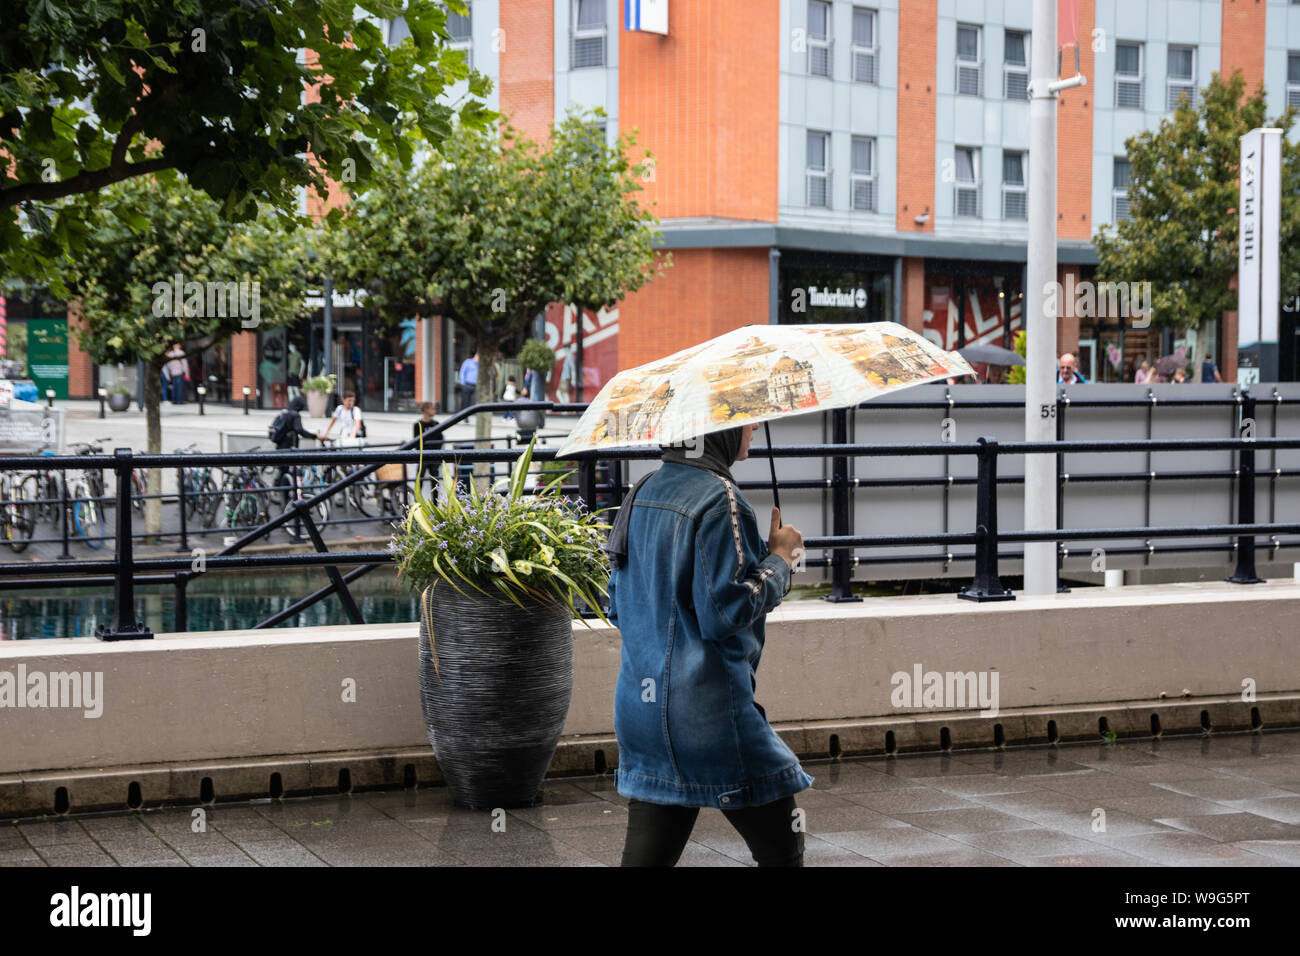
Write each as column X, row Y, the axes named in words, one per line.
column 49, row 397
column 201, row 390
column 247, row 390
column 1040, row 306
column 102, row 395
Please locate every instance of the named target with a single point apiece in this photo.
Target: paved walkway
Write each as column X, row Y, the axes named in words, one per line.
column 1230, row 800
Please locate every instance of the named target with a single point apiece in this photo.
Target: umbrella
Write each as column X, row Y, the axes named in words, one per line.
column 1167, row 365
column 991, row 355
column 758, row 373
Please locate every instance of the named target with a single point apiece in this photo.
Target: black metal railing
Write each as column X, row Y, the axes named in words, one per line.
column 123, row 570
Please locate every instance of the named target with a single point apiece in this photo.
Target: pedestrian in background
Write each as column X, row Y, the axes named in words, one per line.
column 178, row 371
column 1067, row 371
column 1143, row 373
column 1210, row 371
column 468, row 380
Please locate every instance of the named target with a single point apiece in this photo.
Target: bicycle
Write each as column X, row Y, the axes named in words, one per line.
column 202, row 494
column 362, row 496
column 16, row 512
column 86, row 490
column 245, row 496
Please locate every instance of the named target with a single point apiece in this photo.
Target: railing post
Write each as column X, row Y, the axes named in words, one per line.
column 841, row 513
column 587, row 482
column 1062, row 476
column 182, row 622
column 65, row 507
column 987, row 586
column 1245, row 573
column 180, row 504
column 124, row 627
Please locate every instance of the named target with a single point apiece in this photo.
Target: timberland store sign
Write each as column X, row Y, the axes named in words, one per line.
column 837, row 298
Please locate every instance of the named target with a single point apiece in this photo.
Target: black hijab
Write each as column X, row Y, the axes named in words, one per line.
column 718, row 455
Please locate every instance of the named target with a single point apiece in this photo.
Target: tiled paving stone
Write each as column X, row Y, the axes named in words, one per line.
column 981, row 784
column 1118, row 824
column 11, row 838
column 1233, row 827
column 561, row 816
column 696, row 854
column 843, row 819
column 600, row 843
column 1165, row 803
column 1282, row 809
column 64, row 854
column 27, row 857
column 886, row 844
column 910, row 800
column 43, row 833
column 1097, row 785
column 1031, row 763
column 1286, row 852
column 1021, row 846
column 965, row 820
column 1225, row 789
column 1179, row 848
column 862, row 781
column 962, row 856
column 925, row 765
column 819, row 852
column 1102, row 858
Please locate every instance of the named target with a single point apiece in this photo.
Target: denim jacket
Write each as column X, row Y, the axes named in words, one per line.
column 690, row 603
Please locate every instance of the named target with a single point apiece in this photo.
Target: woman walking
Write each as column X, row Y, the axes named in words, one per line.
column 691, row 586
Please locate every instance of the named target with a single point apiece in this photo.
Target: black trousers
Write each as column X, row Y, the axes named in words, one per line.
column 657, row 834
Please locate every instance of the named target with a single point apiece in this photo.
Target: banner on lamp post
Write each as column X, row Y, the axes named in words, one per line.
column 1259, row 225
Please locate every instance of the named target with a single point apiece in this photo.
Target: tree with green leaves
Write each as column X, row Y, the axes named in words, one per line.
column 189, row 277
column 95, row 93
column 491, row 229
column 1183, row 197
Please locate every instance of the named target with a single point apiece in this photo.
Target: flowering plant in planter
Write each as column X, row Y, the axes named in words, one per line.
column 503, row 544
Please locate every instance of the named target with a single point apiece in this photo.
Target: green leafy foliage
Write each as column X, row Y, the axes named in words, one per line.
column 93, row 93
column 503, row 544
column 1183, row 197
column 1016, row 374
column 537, row 356
column 492, row 229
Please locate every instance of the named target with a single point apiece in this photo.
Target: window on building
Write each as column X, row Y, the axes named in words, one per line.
column 1181, row 80
column 864, row 173
column 588, row 34
column 1014, row 197
column 1128, row 76
column 866, row 59
column 459, row 27
column 968, row 181
column 1121, row 178
column 970, row 73
column 819, row 38
column 818, row 169
column 1015, row 72
column 397, row 31
column 1293, row 79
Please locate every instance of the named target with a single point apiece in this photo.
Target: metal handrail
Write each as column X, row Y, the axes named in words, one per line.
column 123, row 567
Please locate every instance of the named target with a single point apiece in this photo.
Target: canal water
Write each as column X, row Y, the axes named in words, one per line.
column 217, row 602
column 237, row 600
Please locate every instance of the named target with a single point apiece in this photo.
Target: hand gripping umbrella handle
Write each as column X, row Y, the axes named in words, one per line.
column 771, row 461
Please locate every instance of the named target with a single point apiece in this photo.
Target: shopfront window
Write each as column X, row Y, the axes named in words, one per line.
column 821, row 288
column 978, row 306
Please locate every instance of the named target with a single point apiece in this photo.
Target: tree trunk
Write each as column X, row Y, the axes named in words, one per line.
column 153, row 422
column 485, row 391
column 1202, row 346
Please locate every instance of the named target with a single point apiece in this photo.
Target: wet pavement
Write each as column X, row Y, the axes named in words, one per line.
column 1226, row 800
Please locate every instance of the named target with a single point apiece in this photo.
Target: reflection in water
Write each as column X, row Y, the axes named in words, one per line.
column 216, row 602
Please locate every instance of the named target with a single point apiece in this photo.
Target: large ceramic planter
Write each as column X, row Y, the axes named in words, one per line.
column 316, row 402
column 119, row 401
column 497, row 702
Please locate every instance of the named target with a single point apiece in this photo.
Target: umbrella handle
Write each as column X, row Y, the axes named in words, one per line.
column 771, row 461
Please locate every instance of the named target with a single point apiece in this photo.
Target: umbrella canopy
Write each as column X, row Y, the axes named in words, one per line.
column 1167, row 365
column 991, row 355
column 755, row 374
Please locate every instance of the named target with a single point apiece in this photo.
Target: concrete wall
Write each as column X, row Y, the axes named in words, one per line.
column 254, row 694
